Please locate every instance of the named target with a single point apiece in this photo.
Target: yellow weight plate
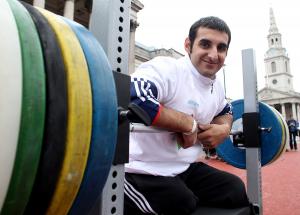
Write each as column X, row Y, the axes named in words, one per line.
column 287, row 138
column 79, row 117
column 285, row 135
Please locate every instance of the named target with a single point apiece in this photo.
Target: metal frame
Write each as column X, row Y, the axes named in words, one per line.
column 253, row 157
column 110, row 24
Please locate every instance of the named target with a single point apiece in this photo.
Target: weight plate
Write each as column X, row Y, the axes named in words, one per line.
column 79, row 116
column 10, row 95
column 104, row 130
column 56, row 118
column 270, row 142
column 286, row 135
column 32, row 113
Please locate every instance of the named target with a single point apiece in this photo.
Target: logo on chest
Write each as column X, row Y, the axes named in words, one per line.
column 192, row 103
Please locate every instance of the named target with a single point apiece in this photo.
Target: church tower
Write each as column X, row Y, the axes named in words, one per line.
column 278, row 90
column 277, row 63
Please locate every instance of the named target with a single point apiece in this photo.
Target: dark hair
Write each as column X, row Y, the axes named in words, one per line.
column 211, row 22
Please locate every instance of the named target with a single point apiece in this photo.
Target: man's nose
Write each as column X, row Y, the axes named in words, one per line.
column 213, row 54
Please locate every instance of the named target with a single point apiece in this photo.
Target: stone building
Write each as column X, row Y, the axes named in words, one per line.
column 144, row 53
column 278, row 91
column 80, row 10
column 77, row 10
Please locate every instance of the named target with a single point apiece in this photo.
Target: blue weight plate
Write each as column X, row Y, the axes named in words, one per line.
column 104, row 131
column 270, row 142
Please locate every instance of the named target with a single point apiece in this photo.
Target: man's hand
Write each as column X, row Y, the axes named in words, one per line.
column 186, row 141
column 212, row 135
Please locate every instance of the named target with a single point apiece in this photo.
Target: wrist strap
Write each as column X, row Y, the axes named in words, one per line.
column 194, row 128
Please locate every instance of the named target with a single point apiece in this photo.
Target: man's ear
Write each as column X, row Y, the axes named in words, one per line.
column 187, row 45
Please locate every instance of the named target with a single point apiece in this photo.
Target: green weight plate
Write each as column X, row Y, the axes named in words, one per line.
column 54, row 140
column 32, row 114
column 10, row 95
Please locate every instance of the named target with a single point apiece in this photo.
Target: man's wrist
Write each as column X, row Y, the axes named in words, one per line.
column 194, row 128
column 228, row 129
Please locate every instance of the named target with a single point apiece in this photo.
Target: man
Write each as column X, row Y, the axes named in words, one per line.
column 183, row 96
column 293, row 130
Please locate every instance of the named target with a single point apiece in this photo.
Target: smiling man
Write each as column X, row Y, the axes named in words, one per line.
column 183, row 96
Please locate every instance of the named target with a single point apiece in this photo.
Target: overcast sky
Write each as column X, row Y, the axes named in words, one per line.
column 165, row 24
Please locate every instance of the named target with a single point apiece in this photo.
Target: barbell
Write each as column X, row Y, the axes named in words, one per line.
column 273, row 132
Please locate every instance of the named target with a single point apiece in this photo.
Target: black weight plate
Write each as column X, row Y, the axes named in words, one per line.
column 56, row 117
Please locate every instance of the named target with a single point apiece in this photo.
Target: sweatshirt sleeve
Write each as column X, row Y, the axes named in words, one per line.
column 226, row 110
column 225, row 106
column 151, row 84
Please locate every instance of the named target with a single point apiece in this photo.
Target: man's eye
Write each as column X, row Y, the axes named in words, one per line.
column 204, row 44
column 222, row 47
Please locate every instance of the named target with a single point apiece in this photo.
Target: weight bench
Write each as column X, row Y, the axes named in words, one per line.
column 222, row 211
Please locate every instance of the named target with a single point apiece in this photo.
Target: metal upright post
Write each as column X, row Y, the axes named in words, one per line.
column 224, row 80
column 253, row 157
column 110, row 24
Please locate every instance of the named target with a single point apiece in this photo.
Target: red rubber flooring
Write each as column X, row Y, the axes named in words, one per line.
column 280, row 183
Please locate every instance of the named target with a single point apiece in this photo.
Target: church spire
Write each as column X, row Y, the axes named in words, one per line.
column 273, row 27
column 274, row 36
column 278, row 74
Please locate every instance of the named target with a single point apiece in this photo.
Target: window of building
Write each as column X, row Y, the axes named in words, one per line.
column 274, row 81
column 273, row 65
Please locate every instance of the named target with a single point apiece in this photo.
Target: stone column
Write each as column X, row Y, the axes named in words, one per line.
column 294, row 111
column 297, row 112
column 133, row 25
column 69, row 9
column 39, row 3
column 283, row 111
column 136, row 6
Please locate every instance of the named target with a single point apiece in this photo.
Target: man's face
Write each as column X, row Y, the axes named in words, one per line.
column 208, row 52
